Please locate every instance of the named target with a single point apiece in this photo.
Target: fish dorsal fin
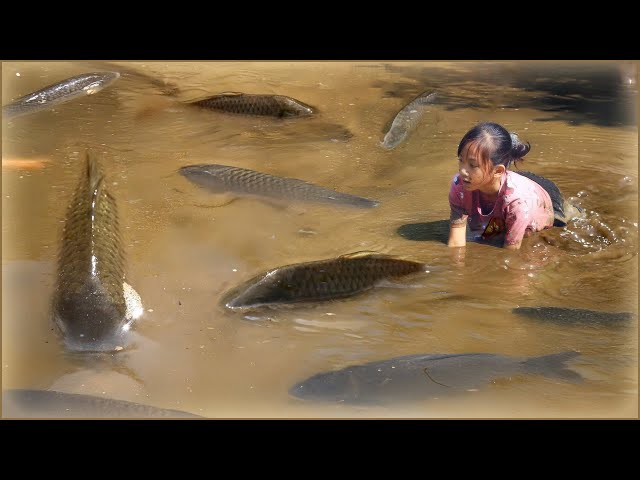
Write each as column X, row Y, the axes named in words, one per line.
column 231, row 94
column 362, row 254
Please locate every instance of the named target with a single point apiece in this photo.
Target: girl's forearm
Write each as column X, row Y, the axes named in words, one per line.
column 457, row 236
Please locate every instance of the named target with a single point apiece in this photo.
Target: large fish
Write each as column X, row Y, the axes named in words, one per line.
column 93, row 307
column 406, row 120
column 223, row 178
column 21, row 403
column 61, row 92
column 565, row 315
column 328, row 279
column 256, row 104
column 420, row 377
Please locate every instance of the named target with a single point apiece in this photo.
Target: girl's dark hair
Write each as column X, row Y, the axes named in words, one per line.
column 494, row 142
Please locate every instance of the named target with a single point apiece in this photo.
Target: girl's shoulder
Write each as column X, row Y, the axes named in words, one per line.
column 516, row 185
column 519, row 187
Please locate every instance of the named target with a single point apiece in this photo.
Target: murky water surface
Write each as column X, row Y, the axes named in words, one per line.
column 185, row 247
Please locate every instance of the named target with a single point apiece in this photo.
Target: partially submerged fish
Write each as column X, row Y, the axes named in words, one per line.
column 256, row 104
column 21, row 403
column 93, row 307
column 224, row 178
column 573, row 315
column 328, row 279
column 61, row 92
column 424, row 376
column 406, row 120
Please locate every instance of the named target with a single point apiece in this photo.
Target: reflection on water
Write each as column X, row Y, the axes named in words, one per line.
column 185, row 247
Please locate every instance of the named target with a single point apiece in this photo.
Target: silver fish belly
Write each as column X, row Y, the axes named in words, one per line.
column 61, row 92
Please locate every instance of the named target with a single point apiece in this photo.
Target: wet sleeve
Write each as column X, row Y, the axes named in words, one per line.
column 516, row 220
column 456, row 202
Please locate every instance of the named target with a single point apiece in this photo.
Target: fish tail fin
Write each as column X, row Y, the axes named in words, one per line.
column 94, row 173
column 553, row 366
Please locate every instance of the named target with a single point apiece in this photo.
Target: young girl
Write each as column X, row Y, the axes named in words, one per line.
column 502, row 205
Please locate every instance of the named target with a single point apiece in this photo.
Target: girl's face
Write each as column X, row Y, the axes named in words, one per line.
column 471, row 170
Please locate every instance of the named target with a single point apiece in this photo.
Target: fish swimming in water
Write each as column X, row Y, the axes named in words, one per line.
column 224, row 178
column 566, row 315
column 93, row 307
column 320, row 280
column 406, row 120
column 424, row 376
column 256, row 105
column 61, row 92
column 22, row 403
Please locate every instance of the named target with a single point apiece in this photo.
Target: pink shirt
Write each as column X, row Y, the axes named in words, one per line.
column 522, row 207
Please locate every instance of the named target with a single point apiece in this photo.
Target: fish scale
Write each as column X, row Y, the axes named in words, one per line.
column 61, row 92
column 23, row 403
column 421, row 377
column 218, row 178
column 256, row 105
column 90, row 305
column 319, row 280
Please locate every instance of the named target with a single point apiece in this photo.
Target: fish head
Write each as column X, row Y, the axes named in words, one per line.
column 191, row 171
column 393, row 138
column 89, row 321
column 93, row 83
column 203, row 175
column 337, row 386
column 295, row 108
column 268, row 288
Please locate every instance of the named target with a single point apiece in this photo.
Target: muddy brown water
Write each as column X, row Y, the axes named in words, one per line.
column 185, row 247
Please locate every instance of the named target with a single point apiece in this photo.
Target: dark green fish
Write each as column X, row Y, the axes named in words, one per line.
column 20, row 403
column 93, row 306
column 320, row 280
column 258, row 105
column 423, row 376
column 61, row 92
column 406, row 120
column 573, row 315
column 223, row 178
